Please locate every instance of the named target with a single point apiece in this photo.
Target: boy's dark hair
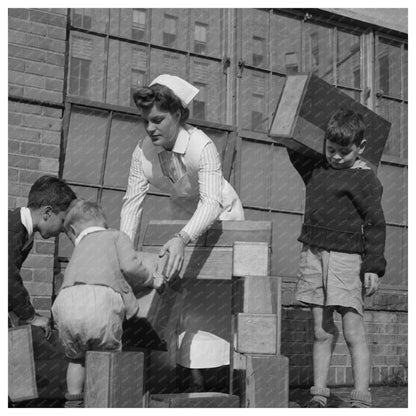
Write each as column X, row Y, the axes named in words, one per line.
column 164, row 98
column 82, row 211
column 52, row 191
column 345, row 127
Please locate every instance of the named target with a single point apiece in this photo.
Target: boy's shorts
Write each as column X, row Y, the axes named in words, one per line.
column 89, row 317
column 330, row 278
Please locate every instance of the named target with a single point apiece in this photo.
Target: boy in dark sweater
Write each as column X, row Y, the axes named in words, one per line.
column 342, row 258
column 48, row 200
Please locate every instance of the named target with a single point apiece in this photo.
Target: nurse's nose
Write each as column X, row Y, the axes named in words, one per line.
column 150, row 128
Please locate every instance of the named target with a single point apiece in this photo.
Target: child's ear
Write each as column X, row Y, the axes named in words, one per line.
column 361, row 147
column 46, row 212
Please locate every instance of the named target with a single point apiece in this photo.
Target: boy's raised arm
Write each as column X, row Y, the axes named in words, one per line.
column 303, row 164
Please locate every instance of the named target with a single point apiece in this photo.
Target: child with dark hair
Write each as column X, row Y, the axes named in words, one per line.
column 342, row 258
column 95, row 296
column 49, row 198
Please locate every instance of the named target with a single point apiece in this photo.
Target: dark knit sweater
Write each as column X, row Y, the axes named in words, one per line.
column 343, row 211
column 19, row 299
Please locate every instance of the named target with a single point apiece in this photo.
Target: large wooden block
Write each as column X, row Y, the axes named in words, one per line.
column 114, row 379
column 220, row 234
column 256, row 333
column 22, row 379
column 199, row 400
column 306, row 103
column 251, row 259
column 204, row 262
column 260, row 380
column 259, row 295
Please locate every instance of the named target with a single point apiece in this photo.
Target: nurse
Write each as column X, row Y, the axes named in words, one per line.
column 181, row 160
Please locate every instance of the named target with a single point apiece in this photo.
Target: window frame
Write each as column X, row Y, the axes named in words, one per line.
column 232, row 80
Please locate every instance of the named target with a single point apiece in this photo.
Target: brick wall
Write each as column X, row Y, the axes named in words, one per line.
column 37, row 43
column 386, row 336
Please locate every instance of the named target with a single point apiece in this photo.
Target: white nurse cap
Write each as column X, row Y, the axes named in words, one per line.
column 183, row 89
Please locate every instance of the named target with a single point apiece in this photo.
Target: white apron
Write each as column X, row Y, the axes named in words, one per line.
column 204, row 330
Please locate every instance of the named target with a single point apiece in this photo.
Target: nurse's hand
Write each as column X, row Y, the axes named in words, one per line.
column 175, row 248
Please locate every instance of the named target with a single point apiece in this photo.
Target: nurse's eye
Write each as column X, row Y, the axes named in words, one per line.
column 157, row 120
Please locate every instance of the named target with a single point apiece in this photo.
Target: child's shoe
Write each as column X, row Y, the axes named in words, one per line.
column 74, row 400
column 319, row 397
column 360, row 399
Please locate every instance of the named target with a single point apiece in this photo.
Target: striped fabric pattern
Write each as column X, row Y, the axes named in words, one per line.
column 210, row 181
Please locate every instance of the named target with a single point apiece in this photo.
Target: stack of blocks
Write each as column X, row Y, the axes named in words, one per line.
column 260, row 373
column 236, row 256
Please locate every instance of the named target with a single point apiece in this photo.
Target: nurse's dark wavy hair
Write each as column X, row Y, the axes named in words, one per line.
column 164, row 99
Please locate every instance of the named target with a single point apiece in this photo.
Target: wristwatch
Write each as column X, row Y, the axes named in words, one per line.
column 185, row 239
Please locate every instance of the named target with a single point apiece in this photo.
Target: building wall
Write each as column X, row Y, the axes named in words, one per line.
column 386, row 336
column 38, row 43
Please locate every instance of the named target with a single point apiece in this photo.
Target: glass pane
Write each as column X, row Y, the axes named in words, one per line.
column 87, row 66
column 129, row 23
column 393, row 181
column 164, row 62
column 394, row 257
column 356, row 95
column 318, row 51
column 125, row 133
column 390, row 110
column 254, row 88
column 256, row 215
column 209, row 103
column 219, row 137
column 286, row 40
column 111, row 201
column 348, row 60
column 405, row 72
column 91, row 19
column 65, row 247
column 170, row 28
column 127, row 70
column 85, row 145
column 286, row 248
column 405, row 196
column 255, row 174
column 255, row 29
column 405, row 130
column 206, row 32
column 287, row 188
column 405, row 257
column 155, row 208
column 389, row 68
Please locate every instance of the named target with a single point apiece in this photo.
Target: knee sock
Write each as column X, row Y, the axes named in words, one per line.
column 74, row 400
column 361, row 398
column 320, row 394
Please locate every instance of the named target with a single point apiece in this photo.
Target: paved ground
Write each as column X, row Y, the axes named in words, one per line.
column 383, row 396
